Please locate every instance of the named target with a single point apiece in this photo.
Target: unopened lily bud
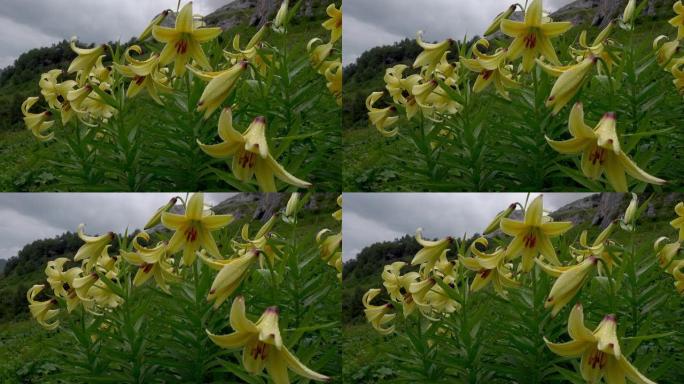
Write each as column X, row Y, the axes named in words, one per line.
column 497, row 21
column 628, row 15
column 631, row 209
column 292, row 205
column 279, row 21
column 156, row 21
column 156, row 218
column 494, row 225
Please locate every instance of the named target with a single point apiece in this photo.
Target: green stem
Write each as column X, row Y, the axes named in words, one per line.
column 199, row 328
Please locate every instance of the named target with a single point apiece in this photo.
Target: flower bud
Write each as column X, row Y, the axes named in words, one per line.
column 494, row 225
column 292, row 206
column 628, row 15
column 156, row 218
column 631, row 209
column 279, row 21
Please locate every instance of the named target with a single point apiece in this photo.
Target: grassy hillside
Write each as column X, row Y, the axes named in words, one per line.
column 374, row 163
column 25, row 166
column 27, row 352
column 367, row 354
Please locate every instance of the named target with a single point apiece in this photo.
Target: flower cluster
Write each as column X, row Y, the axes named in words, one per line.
column 95, row 94
column 441, row 83
column 100, row 283
column 330, row 243
column 432, row 287
column 421, row 93
column 666, row 253
column 667, row 51
column 319, row 53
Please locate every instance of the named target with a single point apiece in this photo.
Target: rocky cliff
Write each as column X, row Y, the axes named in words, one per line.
column 601, row 12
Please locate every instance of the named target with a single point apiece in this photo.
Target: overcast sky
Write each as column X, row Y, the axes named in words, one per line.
column 28, row 24
column 368, row 24
column 375, row 217
column 32, row 216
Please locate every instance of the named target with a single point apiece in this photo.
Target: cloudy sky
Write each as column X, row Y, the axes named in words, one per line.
column 28, row 24
column 31, row 216
column 368, row 24
column 374, row 217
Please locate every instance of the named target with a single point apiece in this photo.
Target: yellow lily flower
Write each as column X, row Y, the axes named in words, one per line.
column 491, row 69
column 103, row 295
column 380, row 117
column 596, row 249
column 398, row 285
column 250, row 53
column 569, row 281
column 432, row 53
column 600, row 350
column 42, row 311
column 83, row 284
column 395, row 84
column 333, row 75
column 678, row 21
column 337, row 215
column 496, row 24
column 151, row 262
column 597, row 49
column 85, row 61
column 220, row 85
column 97, row 108
column 156, row 21
column 99, row 73
column 570, row 80
column 37, row 122
column 678, row 223
column 532, row 236
column 250, row 154
column 532, row 37
column 62, row 281
column 447, row 72
column 184, row 41
column 665, row 52
column 260, row 240
column 489, row 268
column 318, row 54
column 665, row 255
column 145, row 75
column 378, row 315
column 92, row 250
column 439, row 301
column 262, row 345
column 330, row 249
column 334, row 23
column 193, row 229
column 231, row 274
column 55, row 93
column 329, row 246
column 601, row 151
column 428, row 256
column 678, row 73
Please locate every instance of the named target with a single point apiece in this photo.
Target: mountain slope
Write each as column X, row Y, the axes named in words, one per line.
column 592, row 213
column 27, row 268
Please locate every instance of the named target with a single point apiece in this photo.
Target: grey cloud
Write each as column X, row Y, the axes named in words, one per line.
column 31, row 216
column 382, row 22
column 370, row 218
column 31, row 24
